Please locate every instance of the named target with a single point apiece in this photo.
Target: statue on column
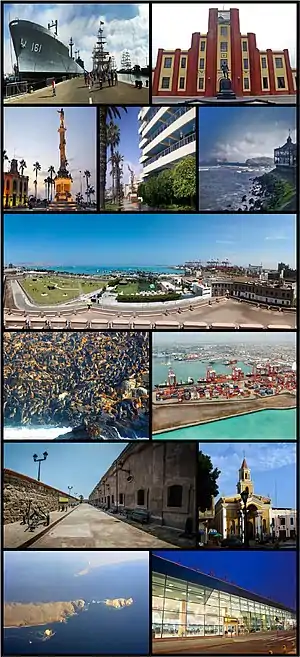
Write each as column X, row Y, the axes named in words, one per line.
column 62, row 117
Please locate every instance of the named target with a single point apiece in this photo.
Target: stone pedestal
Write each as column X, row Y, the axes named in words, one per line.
column 225, row 90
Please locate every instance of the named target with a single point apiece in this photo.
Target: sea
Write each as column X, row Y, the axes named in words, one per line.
column 184, row 369
column 260, row 425
column 99, row 629
column 223, row 187
column 96, row 269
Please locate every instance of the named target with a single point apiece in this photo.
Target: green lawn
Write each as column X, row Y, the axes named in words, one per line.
column 134, row 286
column 69, row 288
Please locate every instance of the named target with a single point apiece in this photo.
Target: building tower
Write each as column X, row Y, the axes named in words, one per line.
column 245, row 479
column 63, row 179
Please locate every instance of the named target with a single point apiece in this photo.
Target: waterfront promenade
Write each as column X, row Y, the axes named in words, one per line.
column 75, row 91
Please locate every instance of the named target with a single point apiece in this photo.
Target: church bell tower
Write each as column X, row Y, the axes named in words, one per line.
column 245, row 479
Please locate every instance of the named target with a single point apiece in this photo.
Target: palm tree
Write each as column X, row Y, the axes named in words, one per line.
column 45, row 182
column 4, row 158
column 106, row 113
column 118, row 165
column 51, row 170
column 36, row 168
column 22, row 166
column 87, row 175
column 113, row 140
column 91, row 192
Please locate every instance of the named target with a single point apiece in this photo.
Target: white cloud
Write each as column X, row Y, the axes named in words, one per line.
column 259, row 141
column 274, row 24
column 125, row 34
column 276, row 237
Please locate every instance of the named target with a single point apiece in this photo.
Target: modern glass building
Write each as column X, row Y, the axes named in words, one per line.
column 186, row 602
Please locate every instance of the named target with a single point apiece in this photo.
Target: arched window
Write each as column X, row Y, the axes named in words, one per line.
column 174, row 495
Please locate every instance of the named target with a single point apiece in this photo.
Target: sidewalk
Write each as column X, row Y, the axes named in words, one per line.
column 17, row 535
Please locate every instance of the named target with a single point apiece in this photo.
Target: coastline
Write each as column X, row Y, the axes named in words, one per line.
column 216, row 419
column 206, row 413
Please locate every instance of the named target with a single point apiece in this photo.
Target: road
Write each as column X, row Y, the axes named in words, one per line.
column 75, row 91
column 88, row 527
column 227, row 311
column 259, row 643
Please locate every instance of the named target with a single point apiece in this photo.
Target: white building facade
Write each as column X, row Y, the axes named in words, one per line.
column 201, row 290
column 283, row 523
column 167, row 135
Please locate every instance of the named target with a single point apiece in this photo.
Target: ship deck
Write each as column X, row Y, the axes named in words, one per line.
column 75, row 91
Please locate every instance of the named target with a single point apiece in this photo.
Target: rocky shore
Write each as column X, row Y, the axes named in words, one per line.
column 270, row 191
column 19, row 614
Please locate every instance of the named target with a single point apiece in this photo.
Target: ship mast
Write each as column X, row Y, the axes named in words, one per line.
column 101, row 57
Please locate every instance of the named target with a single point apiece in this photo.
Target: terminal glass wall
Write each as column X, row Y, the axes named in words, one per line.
column 183, row 609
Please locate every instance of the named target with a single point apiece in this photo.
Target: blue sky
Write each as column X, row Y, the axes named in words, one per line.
column 239, row 133
column 275, row 28
column 141, row 239
column 129, row 142
column 126, row 27
column 272, row 465
column 271, row 574
column 30, row 133
column 77, row 465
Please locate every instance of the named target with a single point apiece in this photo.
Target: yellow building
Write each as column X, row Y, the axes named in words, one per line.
column 15, row 187
column 229, row 516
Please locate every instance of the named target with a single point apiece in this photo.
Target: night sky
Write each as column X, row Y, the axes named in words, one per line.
column 270, row 574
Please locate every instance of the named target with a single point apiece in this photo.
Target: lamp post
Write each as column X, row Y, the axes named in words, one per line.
column 244, row 496
column 130, row 478
column 37, row 460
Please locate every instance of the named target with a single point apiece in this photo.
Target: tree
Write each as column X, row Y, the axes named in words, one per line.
column 36, row 168
column 87, row 175
column 22, row 166
column 81, row 498
column 51, row 170
column 184, row 180
column 113, row 140
column 207, row 477
column 105, row 114
column 118, row 165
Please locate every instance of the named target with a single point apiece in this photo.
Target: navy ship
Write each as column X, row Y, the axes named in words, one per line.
column 39, row 53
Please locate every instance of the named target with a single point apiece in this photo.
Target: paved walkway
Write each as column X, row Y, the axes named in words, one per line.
column 88, row 527
column 15, row 534
column 75, row 91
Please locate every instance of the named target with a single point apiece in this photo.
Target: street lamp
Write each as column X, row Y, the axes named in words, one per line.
column 37, row 460
column 244, row 496
column 130, row 478
column 69, row 489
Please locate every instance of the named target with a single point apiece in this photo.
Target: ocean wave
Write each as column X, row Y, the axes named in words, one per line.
column 37, row 433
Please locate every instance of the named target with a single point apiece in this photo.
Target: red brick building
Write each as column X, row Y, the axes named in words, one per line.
column 197, row 71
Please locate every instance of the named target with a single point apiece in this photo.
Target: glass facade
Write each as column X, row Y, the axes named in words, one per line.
column 183, row 609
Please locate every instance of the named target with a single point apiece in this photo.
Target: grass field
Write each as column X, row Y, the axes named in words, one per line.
column 133, row 286
column 66, row 289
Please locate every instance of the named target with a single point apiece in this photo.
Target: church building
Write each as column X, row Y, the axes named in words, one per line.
column 229, row 516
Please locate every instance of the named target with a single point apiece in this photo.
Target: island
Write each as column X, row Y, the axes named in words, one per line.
column 19, row 614
column 118, row 603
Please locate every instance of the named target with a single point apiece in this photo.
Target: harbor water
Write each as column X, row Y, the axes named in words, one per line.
column 184, row 369
column 223, row 187
column 259, row 425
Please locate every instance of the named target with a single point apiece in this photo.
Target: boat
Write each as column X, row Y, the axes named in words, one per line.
column 102, row 60
column 39, row 53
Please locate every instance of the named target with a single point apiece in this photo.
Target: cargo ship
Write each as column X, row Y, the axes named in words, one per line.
column 39, row 53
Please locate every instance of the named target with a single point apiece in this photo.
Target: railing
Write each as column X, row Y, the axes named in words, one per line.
column 16, row 89
column 182, row 142
column 179, row 111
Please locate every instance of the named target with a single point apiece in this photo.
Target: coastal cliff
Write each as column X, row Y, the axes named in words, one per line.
column 117, row 603
column 19, row 614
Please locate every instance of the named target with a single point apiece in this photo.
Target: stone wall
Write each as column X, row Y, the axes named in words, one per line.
column 18, row 489
column 154, row 467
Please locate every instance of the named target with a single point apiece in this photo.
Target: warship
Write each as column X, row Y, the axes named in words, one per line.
column 39, row 53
